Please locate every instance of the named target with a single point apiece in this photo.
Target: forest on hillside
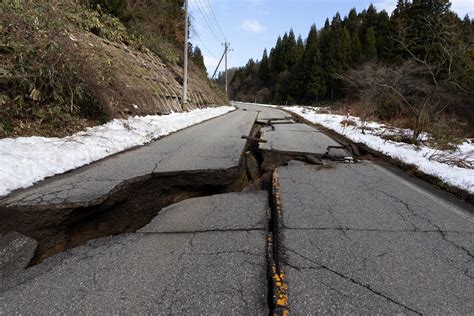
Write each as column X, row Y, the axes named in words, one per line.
column 416, row 63
column 160, row 24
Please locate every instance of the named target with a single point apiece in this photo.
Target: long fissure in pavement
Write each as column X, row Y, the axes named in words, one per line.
column 130, row 205
column 134, row 203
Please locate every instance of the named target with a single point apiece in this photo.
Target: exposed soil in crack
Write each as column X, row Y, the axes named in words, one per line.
column 131, row 206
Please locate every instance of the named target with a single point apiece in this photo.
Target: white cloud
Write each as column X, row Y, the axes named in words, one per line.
column 461, row 7
column 252, row 25
column 387, row 5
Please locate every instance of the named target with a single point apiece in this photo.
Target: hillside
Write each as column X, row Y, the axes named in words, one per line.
column 70, row 64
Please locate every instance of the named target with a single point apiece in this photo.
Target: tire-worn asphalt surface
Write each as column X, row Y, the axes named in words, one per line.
column 201, row 256
column 358, row 239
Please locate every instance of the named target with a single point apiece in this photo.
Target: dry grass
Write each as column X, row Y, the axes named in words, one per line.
column 65, row 67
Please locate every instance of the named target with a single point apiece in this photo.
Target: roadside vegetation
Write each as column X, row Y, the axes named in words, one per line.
column 413, row 68
column 50, row 85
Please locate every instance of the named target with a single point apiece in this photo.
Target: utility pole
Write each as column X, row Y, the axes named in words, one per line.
column 184, row 100
column 226, row 83
column 218, row 65
column 224, row 56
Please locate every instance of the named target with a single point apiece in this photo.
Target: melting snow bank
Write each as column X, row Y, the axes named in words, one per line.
column 423, row 157
column 26, row 160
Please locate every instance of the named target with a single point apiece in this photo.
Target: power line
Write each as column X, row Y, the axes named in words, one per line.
column 215, row 18
column 196, row 36
column 207, row 21
column 205, row 47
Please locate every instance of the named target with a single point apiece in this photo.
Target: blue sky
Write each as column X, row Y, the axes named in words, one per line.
column 252, row 25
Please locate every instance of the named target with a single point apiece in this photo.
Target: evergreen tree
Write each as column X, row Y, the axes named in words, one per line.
column 352, row 22
column 306, row 72
column 369, row 18
column 275, row 58
column 370, row 48
column 356, row 48
column 291, row 51
column 198, row 58
column 264, row 69
column 383, row 37
column 299, row 48
column 328, row 62
column 312, row 59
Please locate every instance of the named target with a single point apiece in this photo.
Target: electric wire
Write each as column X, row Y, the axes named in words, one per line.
column 215, row 18
column 205, row 46
column 207, row 21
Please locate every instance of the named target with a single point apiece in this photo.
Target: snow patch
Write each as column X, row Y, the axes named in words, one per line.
column 26, row 160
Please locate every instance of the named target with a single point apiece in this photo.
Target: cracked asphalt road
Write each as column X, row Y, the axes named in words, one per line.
column 358, row 239
column 265, row 113
column 352, row 239
column 212, row 145
column 198, row 266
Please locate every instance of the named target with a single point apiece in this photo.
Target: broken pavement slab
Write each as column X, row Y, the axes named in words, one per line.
column 275, row 121
column 298, row 139
column 265, row 113
column 285, row 142
column 215, row 265
column 16, row 252
column 358, row 239
column 101, row 199
column 231, row 211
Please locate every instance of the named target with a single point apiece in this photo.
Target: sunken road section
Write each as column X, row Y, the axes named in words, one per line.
column 201, row 256
column 124, row 192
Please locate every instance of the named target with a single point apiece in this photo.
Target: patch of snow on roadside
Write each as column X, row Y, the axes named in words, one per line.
column 421, row 156
column 26, row 160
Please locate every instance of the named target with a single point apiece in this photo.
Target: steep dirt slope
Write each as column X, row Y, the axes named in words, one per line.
column 65, row 66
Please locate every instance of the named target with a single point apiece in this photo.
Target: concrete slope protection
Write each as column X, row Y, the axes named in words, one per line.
column 358, row 239
column 201, row 256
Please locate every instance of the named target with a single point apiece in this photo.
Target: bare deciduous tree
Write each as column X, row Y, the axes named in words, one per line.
column 434, row 69
column 424, row 82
